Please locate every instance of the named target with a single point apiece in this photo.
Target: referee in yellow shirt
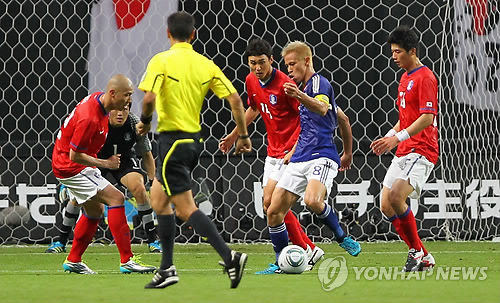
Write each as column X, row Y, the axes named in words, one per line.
column 176, row 82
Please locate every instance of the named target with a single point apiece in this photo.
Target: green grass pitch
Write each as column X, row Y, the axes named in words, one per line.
column 29, row 275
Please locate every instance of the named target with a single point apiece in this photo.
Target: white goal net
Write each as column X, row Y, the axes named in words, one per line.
column 55, row 52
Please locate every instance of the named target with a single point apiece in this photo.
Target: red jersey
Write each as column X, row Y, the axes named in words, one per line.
column 85, row 131
column 417, row 94
column 279, row 112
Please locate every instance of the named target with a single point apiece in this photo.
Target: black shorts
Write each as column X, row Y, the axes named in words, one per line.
column 128, row 164
column 178, row 155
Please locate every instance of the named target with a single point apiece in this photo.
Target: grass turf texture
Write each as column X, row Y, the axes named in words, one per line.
column 29, row 275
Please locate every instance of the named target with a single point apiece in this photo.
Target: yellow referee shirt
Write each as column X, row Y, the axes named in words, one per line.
column 180, row 77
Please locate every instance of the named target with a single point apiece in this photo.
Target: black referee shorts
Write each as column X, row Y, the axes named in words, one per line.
column 179, row 153
column 128, row 164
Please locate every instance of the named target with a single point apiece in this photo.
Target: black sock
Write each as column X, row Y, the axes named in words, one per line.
column 149, row 225
column 166, row 231
column 206, row 228
column 70, row 216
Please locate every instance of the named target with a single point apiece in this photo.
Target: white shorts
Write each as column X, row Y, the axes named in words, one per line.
column 273, row 169
column 297, row 175
column 85, row 184
column 413, row 167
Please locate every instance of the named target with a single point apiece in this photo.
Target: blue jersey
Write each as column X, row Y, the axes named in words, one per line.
column 317, row 132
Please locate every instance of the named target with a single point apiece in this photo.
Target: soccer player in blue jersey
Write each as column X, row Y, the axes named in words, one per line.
column 315, row 162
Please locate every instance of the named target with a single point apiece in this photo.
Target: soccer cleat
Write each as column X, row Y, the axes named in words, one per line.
column 77, row 267
column 427, row 263
column 56, row 248
column 272, row 269
column 155, row 247
column 236, row 268
column 136, row 265
column 314, row 256
column 414, row 260
column 164, row 278
column 351, row 246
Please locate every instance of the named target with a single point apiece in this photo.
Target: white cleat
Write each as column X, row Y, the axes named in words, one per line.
column 427, row 263
column 314, row 256
column 77, row 267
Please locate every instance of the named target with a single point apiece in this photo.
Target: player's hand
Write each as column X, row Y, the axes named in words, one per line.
column 291, row 90
column 143, row 129
column 114, row 162
column 384, row 145
column 226, row 143
column 345, row 162
column 243, row 146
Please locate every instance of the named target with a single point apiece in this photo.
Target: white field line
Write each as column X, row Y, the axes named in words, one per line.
column 269, row 253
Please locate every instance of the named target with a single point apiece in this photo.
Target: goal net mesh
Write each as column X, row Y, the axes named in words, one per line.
column 54, row 53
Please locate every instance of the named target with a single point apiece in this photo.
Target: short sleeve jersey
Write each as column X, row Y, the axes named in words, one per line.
column 84, row 131
column 180, row 77
column 316, row 137
column 417, row 94
column 279, row 112
column 125, row 139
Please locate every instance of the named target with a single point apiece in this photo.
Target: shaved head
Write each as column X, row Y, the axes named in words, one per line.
column 118, row 93
column 119, row 83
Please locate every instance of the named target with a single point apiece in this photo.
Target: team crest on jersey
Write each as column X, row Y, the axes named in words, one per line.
column 127, row 136
column 410, row 85
column 273, row 99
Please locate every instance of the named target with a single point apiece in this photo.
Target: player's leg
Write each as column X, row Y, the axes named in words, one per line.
column 134, row 182
column 389, row 212
column 70, row 216
column 167, row 273
column 320, row 174
column 292, row 223
column 398, row 194
column 84, row 231
column 399, row 170
column 281, row 202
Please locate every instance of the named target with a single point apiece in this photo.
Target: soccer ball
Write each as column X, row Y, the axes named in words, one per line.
column 293, row 259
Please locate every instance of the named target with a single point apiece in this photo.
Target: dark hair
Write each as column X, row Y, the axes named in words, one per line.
column 257, row 47
column 180, row 25
column 404, row 37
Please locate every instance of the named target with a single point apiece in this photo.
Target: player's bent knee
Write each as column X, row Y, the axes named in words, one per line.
column 314, row 204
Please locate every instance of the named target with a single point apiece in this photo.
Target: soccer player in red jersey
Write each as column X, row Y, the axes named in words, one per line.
column 416, row 136
column 281, row 117
column 75, row 162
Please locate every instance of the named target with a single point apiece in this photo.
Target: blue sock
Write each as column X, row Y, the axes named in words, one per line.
column 330, row 219
column 279, row 238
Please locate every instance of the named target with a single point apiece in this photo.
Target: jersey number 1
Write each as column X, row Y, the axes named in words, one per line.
column 266, row 110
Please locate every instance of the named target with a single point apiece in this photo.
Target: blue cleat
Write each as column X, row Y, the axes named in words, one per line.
column 155, row 247
column 56, row 248
column 272, row 269
column 351, row 246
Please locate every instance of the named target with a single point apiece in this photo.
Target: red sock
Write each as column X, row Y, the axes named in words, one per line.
column 292, row 225
column 409, row 228
column 396, row 222
column 84, row 231
column 119, row 229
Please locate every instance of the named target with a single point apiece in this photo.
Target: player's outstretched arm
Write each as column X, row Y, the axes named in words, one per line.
column 346, row 134
column 148, row 107
column 227, row 142
column 243, row 144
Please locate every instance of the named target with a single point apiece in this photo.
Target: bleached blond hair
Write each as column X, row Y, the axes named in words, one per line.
column 300, row 48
